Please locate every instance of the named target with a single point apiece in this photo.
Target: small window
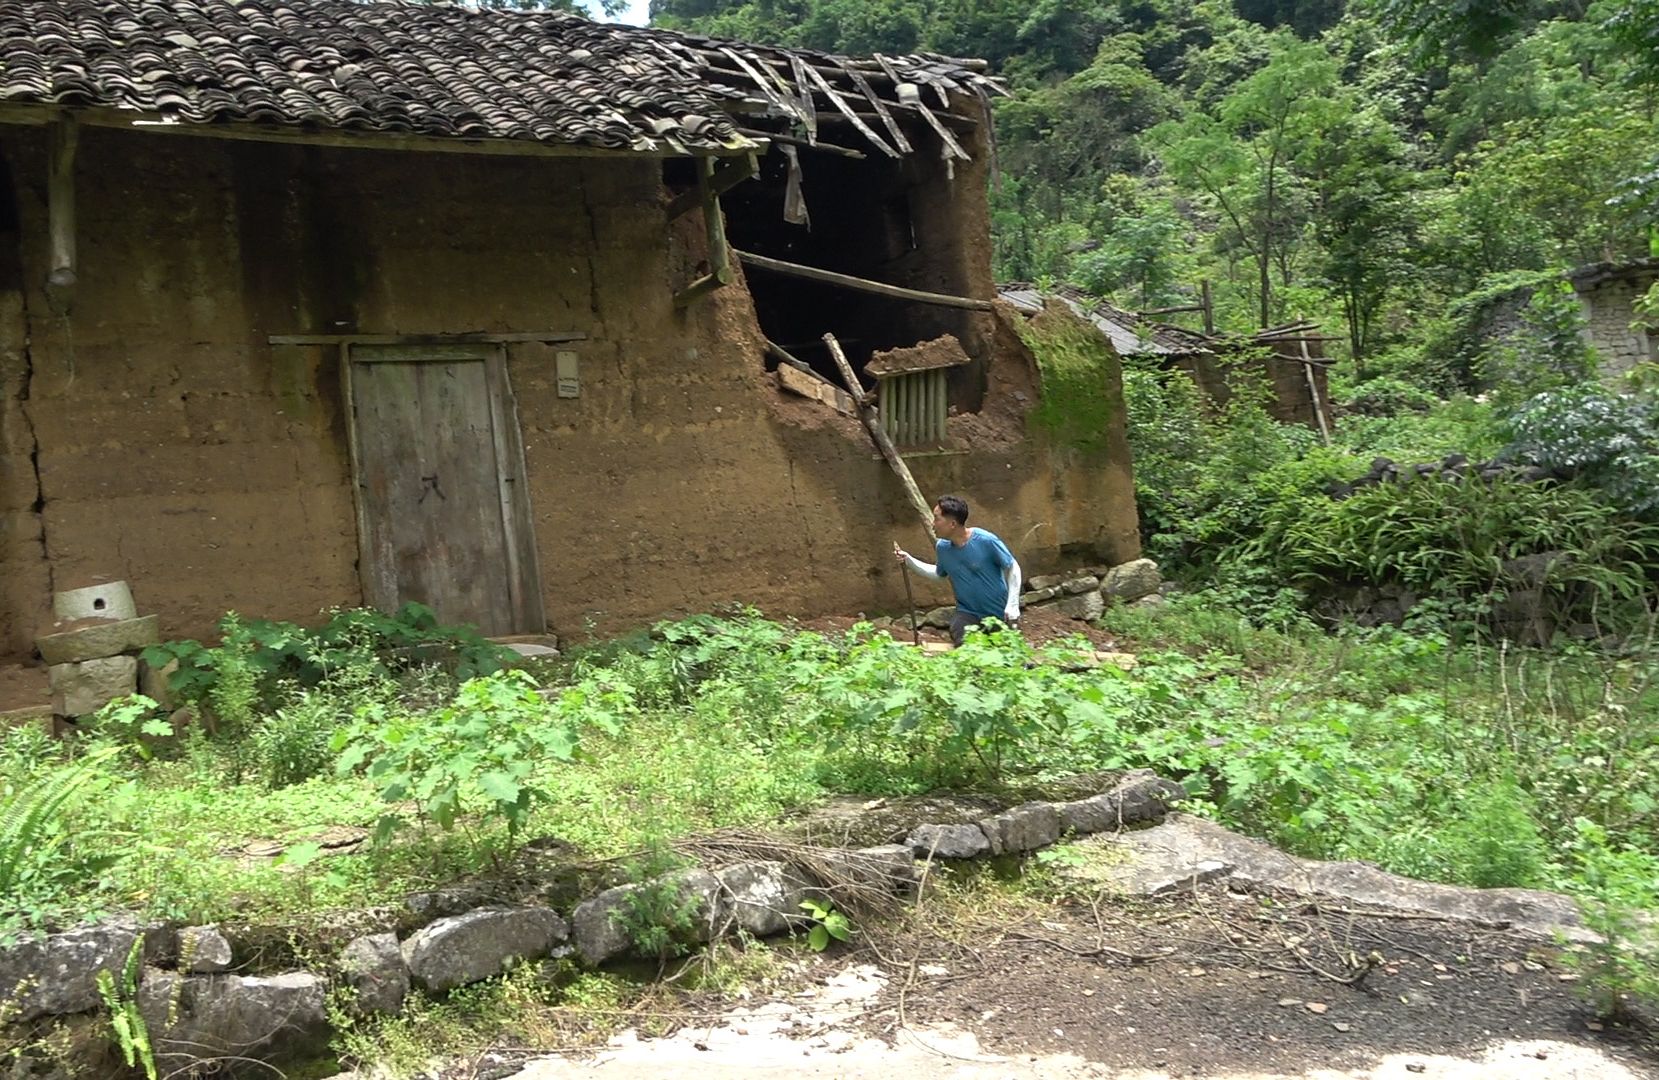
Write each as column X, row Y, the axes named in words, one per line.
column 913, row 390
column 913, row 407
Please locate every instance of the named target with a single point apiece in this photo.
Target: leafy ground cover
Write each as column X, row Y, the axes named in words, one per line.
column 1488, row 766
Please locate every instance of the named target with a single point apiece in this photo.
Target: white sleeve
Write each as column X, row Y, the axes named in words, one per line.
column 922, row 568
column 1011, row 610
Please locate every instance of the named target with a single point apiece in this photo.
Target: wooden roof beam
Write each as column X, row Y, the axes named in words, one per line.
column 60, row 212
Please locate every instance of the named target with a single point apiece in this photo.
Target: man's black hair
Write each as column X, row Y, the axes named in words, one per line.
column 954, row 508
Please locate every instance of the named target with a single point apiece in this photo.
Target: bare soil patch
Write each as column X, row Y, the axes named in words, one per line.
column 1215, row 982
column 23, row 686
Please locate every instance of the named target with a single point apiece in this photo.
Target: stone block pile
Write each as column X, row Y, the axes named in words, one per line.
column 92, row 648
column 1082, row 594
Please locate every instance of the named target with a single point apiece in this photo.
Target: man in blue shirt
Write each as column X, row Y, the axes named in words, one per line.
column 981, row 569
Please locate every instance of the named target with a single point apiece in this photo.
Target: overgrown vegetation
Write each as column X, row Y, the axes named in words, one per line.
column 1333, row 746
column 1261, row 511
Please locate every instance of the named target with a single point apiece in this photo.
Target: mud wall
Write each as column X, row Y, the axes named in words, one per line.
column 180, row 451
column 23, row 576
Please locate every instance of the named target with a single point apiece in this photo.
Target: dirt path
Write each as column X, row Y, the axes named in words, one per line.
column 1215, row 984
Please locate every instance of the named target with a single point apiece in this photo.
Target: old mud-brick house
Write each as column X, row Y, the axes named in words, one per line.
column 308, row 303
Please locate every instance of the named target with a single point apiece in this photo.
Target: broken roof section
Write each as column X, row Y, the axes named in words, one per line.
column 451, row 72
column 1130, row 334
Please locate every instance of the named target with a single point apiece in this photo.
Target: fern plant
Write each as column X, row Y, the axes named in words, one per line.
column 31, row 838
column 132, row 1035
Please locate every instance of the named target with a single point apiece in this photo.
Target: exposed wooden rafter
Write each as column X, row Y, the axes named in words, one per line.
column 723, row 180
column 60, row 211
column 714, row 224
column 858, row 284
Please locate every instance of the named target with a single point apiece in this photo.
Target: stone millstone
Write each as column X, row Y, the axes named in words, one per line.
column 470, row 948
column 84, row 688
column 100, row 639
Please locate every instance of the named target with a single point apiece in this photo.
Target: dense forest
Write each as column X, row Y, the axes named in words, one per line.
column 1363, row 164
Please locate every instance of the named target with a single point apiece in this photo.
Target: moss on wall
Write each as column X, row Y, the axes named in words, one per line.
column 1078, row 368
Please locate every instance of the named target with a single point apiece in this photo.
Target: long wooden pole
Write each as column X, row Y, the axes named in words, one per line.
column 873, row 424
column 1313, row 395
column 60, row 208
column 881, row 288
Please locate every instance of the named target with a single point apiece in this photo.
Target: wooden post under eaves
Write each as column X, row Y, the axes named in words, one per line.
column 714, row 223
column 60, row 212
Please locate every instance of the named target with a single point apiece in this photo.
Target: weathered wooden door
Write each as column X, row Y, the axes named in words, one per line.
column 443, row 510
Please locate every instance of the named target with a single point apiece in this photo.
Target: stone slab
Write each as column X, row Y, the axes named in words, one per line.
column 49, row 976
column 1084, row 606
column 373, row 967
column 100, row 639
column 207, row 949
column 199, row 1018
column 948, row 841
column 1138, row 797
column 1132, row 580
column 463, row 949
column 765, row 897
column 1024, row 828
column 1184, row 849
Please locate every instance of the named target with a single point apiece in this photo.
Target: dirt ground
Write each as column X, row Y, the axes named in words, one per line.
column 1037, row 625
column 1217, row 982
column 23, row 686
column 1212, row 983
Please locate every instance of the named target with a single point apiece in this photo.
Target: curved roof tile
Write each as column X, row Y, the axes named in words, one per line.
column 446, row 71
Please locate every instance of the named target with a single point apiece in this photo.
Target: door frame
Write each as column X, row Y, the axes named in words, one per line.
column 523, row 575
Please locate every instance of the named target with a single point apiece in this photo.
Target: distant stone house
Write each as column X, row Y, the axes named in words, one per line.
column 307, row 303
column 1607, row 293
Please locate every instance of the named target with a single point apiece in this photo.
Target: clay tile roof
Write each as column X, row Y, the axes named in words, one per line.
column 445, row 71
column 1130, row 333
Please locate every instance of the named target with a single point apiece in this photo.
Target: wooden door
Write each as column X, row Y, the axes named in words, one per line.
column 443, row 514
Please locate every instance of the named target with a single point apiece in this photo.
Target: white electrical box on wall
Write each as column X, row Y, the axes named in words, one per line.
column 564, row 367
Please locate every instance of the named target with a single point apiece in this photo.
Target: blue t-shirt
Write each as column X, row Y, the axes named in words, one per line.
column 975, row 572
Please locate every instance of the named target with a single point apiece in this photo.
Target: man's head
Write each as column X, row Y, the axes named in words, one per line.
column 950, row 516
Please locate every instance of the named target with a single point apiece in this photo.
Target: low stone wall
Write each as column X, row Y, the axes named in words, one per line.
column 1453, row 468
column 197, row 1011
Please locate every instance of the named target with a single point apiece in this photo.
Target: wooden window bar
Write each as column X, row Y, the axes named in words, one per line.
column 913, row 407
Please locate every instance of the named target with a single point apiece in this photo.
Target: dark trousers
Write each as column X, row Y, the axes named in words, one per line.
column 961, row 621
